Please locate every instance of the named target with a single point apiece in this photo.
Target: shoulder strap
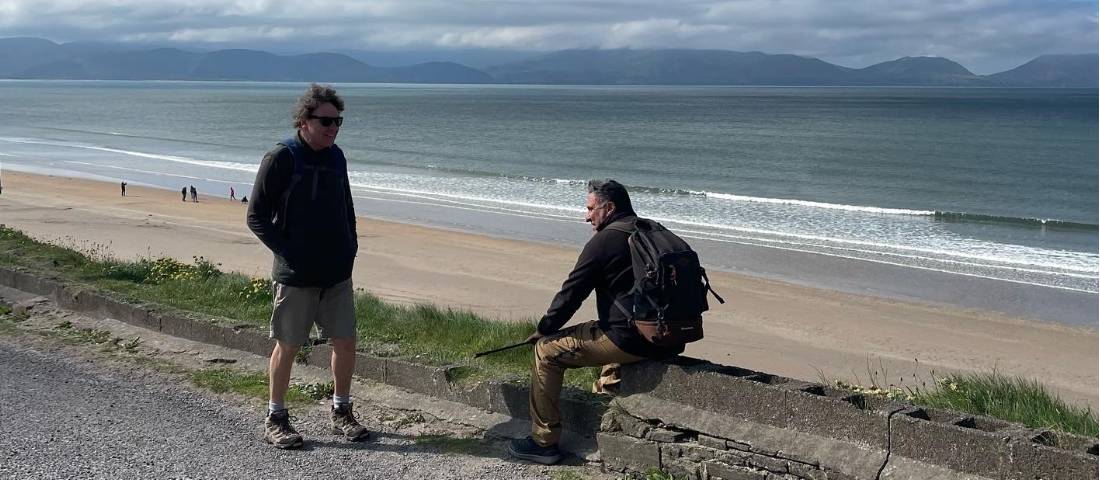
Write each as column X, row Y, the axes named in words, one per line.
column 296, row 155
column 295, row 148
column 624, row 226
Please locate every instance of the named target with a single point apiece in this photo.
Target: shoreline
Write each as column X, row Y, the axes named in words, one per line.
column 767, row 325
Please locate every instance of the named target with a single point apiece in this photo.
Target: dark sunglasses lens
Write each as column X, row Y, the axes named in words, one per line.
column 328, row 121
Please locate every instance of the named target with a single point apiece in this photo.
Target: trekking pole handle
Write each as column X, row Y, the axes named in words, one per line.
column 501, row 349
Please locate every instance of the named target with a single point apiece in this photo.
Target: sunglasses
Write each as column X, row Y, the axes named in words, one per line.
column 328, row 121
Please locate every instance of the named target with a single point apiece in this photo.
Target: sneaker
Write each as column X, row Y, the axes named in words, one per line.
column 344, row 423
column 278, row 432
column 527, row 449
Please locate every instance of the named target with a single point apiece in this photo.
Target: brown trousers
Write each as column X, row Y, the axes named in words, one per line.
column 582, row 346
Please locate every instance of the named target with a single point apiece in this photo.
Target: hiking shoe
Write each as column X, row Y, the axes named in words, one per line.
column 344, row 423
column 278, row 432
column 527, row 449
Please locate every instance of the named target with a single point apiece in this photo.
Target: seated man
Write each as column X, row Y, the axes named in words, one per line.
column 604, row 266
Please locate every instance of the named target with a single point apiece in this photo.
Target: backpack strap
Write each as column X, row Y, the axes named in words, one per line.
column 706, row 282
column 295, row 148
column 624, row 226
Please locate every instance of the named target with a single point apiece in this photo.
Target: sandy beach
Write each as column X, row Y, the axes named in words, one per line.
column 766, row 325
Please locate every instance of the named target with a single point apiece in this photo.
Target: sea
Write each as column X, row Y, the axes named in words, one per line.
column 986, row 184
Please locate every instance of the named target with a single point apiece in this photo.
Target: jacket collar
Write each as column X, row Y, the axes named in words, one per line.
column 614, row 218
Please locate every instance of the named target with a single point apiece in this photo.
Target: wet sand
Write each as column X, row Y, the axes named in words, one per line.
column 767, row 325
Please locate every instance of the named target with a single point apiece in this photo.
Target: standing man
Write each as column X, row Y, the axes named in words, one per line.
column 604, row 265
column 183, row 191
column 194, row 194
column 301, row 209
column 123, row 189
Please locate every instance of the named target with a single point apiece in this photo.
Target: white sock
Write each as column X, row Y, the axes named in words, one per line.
column 341, row 400
column 273, row 407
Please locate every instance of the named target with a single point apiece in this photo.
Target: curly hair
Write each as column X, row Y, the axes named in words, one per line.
column 315, row 96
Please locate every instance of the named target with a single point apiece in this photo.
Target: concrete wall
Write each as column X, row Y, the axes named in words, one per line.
column 706, row 421
column 689, row 417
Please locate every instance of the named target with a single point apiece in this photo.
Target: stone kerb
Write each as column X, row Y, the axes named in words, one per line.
column 816, row 414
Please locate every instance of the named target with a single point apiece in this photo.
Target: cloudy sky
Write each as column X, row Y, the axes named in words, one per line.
column 984, row 35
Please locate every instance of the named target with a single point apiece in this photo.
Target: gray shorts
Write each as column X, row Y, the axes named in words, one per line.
column 298, row 308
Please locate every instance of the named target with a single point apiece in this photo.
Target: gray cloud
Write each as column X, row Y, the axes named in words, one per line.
column 984, row 35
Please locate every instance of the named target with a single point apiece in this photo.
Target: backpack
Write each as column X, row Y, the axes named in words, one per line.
column 669, row 296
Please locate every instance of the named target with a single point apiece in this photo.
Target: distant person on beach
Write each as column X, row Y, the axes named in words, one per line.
column 123, row 189
column 604, row 265
column 232, row 194
column 302, row 210
column 194, row 194
column 244, row 199
column 183, row 191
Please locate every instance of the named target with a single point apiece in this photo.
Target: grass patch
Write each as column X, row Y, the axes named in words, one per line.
column 86, row 336
column 444, row 443
column 425, row 333
column 655, row 474
column 7, row 325
column 1008, row 398
column 254, row 384
column 992, row 394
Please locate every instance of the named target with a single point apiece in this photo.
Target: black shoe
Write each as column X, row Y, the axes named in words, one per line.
column 527, row 449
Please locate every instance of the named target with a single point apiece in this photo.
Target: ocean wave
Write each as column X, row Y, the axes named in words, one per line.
column 1020, row 256
column 156, row 156
column 1025, row 221
column 944, row 216
column 151, row 172
column 823, row 205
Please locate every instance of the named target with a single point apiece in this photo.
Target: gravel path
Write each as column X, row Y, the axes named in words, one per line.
column 67, row 412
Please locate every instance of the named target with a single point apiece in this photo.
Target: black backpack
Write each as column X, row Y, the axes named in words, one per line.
column 669, row 296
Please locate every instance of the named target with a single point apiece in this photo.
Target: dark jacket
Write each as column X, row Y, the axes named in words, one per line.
column 312, row 234
column 604, row 266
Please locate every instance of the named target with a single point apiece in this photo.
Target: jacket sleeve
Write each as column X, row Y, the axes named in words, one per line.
column 267, row 193
column 351, row 212
column 577, row 286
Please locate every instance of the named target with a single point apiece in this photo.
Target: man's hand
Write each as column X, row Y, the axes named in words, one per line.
column 534, row 337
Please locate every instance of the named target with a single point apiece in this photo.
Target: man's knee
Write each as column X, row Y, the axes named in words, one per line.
column 284, row 349
column 343, row 346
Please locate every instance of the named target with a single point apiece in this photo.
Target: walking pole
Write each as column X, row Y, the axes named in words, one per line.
column 501, row 349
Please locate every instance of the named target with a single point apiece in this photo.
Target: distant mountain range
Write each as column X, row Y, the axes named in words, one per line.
column 35, row 58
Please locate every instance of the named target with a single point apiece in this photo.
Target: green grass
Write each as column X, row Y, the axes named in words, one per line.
column 1008, row 398
column 7, row 324
column 657, row 474
column 424, row 333
column 254, row 384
